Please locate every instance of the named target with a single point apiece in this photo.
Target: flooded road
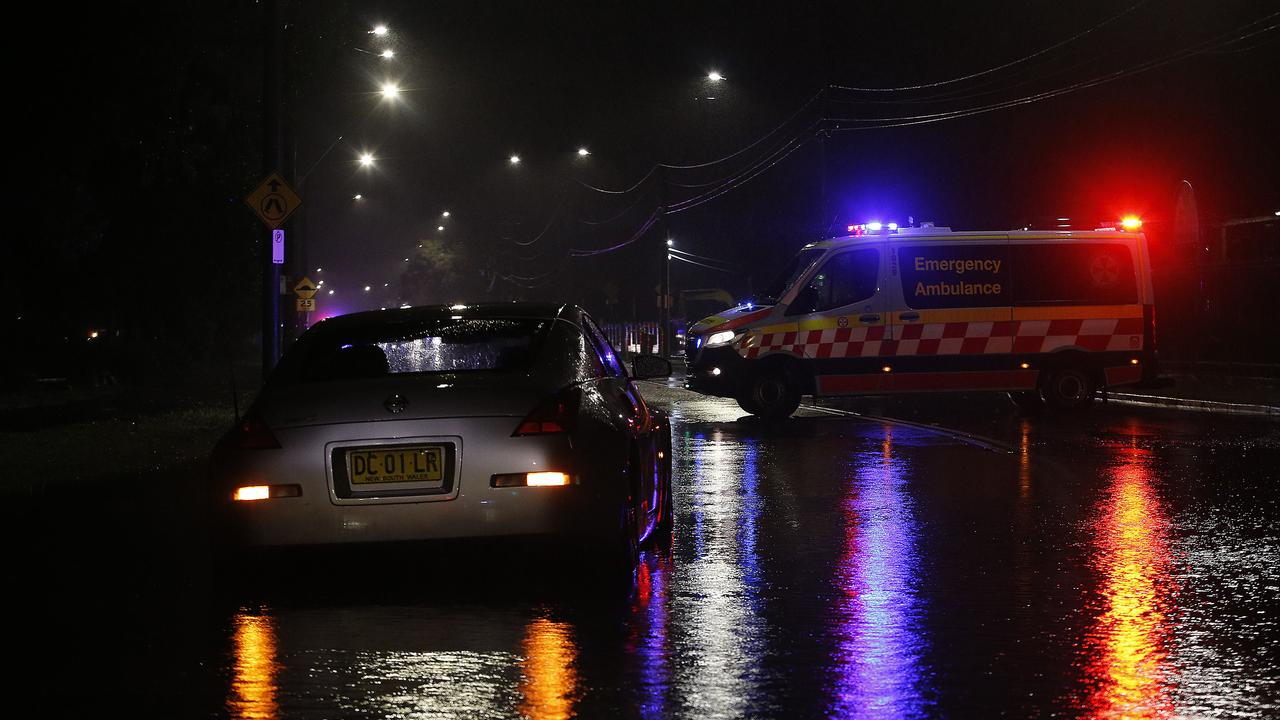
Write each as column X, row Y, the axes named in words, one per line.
column 1123, row 564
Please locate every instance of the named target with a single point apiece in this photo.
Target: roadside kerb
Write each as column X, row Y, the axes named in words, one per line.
column 1178, row 403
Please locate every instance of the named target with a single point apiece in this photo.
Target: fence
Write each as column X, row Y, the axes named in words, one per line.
column 632, row 337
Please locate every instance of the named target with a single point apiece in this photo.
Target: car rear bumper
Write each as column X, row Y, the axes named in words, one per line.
column 472, row 509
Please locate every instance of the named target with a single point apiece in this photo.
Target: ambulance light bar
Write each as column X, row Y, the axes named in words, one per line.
column 876, row 227
column 1129, row 223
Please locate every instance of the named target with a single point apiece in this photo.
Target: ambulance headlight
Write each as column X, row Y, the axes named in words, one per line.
column 721, row 338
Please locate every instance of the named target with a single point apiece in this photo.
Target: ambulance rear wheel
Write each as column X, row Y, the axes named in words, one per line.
column 771, row 393
column 1068, row 388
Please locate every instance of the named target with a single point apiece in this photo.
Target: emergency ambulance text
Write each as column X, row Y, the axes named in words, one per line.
column 960, row 288
column 958, row 266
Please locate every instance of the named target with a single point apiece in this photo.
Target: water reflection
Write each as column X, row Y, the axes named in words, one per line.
column 648, row 641
column 719, row 609
column 253, row 684
column 549, row 671
column 1126, row 650
column 878, row 660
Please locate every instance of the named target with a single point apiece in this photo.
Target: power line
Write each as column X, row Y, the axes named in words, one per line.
column 905, row 120
column 997, row 68
column 653, row 218
column 695, row 262
column 700, row 257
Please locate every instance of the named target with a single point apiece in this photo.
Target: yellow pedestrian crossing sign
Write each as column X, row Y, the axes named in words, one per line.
column 274, row 201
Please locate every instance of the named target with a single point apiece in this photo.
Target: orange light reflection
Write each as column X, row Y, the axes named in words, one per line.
column 1127, row 647
column 253, row 687
column 550, row 678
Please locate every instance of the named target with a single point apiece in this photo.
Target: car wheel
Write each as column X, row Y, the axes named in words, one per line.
column 771, row 393
column 1068, row 388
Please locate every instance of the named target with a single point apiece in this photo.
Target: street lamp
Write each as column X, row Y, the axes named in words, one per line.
column 390, row 90
column 444, row 214
column 714, row 76
column 388, row 54
column 357, row 196
column 366, row 160
column 380, row 31
column 440, row 228
column 367, row 288
column 514, row 159
column 583, row 152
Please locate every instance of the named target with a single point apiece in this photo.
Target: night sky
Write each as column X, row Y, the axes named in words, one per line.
column 144, row 132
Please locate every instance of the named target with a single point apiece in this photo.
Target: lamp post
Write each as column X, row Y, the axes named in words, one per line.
column 664, row 311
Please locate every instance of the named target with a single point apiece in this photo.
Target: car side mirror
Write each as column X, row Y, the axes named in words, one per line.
column 650, row 366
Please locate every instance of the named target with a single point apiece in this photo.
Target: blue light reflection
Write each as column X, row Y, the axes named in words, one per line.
column 878, row 662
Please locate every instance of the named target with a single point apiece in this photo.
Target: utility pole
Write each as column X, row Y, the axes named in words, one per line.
column 664, row 287
column 271, row 61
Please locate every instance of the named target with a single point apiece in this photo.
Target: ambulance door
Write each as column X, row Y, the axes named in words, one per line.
column 840, row 318
column 951, row 323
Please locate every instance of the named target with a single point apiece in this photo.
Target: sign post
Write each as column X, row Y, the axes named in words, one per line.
column 273, row 201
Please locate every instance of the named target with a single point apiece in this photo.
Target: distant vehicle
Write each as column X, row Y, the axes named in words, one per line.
column 1047, row 316
column 450, row 422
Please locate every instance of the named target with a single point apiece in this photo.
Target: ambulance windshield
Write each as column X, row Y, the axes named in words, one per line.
column 791, row 272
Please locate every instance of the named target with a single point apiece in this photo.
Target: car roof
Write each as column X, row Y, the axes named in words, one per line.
column 532, row 310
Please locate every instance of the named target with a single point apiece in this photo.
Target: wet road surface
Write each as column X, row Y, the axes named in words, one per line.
column 1120, row 564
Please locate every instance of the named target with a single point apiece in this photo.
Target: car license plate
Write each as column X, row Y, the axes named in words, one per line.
column 416, row 464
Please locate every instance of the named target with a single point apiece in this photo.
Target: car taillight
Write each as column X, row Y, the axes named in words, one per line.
column 556, row 414
column 255, row 435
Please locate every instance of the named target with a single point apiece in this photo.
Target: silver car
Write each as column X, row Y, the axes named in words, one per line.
column 430, row 423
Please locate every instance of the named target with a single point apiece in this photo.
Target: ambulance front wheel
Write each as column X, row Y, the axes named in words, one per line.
column 1068, row 388
column 771, row 393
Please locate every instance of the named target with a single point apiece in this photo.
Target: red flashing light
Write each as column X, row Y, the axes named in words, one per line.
column 1131, row 222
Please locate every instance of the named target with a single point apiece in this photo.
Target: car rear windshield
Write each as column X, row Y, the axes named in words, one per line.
column 420, row 346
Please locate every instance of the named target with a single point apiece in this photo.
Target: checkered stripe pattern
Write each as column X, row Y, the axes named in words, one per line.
column 953, row 338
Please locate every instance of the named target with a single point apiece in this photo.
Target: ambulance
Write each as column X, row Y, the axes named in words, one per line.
column 1052, row 318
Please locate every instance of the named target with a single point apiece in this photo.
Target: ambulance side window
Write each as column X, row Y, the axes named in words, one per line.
column 844, row 279
column 1073, row 274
